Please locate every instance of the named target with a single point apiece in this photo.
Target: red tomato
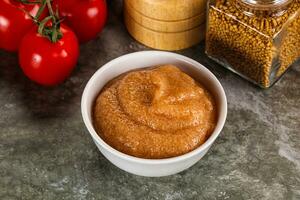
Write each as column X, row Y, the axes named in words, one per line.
column 86, row 17
column 14, row 23
column 45, row 62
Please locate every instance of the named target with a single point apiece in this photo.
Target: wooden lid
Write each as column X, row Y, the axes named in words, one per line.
column 162, row 40
column 169, row 10
column 164, row 26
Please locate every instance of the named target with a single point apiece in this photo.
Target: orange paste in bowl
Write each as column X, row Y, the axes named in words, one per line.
column 155, row 113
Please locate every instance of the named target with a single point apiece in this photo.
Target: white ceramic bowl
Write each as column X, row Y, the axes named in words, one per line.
column 152, row 167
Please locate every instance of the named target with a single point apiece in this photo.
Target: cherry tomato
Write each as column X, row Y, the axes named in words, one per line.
column 14, row 23
column 45, row 62
column 86, row 17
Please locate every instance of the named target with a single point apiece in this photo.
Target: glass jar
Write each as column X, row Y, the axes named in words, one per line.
column 257, row 39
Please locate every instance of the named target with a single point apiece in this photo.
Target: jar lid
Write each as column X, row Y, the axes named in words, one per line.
column 169, row 10
column 266, row 4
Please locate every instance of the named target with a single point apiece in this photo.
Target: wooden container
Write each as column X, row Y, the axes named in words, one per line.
column 169, row 10
column 166, row 24
column 163, row 40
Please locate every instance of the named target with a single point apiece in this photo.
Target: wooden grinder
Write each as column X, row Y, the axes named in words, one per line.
column 166, row 24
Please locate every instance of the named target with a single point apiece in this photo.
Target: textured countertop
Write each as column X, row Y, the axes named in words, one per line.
column 46, row 152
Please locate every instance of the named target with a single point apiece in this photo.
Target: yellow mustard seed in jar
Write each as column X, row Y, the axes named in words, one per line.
column 257, row 39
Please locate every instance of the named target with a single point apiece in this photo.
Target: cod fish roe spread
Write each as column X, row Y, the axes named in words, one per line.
column 158, row 112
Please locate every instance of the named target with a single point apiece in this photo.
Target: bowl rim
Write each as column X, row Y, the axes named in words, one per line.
column 201, row 148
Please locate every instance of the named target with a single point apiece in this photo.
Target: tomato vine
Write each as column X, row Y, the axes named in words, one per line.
column 49, row 26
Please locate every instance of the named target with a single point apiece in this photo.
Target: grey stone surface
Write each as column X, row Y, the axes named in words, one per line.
column 46, row 152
